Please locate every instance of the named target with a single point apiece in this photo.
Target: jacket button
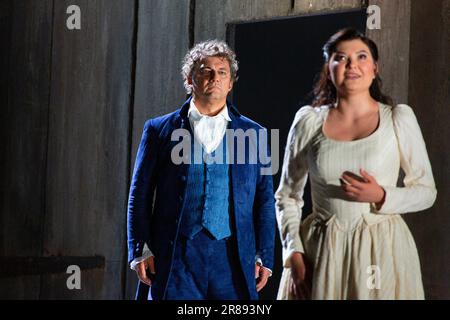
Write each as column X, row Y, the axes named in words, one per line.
column 183, row 178
column 181, row 198
column 171, row 242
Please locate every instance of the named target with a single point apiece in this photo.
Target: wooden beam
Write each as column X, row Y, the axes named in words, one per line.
column 24, row 266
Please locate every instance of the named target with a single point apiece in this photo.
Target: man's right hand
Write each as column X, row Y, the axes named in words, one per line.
column 299, row 288
column 141, row 270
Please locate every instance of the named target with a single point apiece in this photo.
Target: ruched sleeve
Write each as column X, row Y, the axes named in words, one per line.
column 419, row 191
column 289, row 195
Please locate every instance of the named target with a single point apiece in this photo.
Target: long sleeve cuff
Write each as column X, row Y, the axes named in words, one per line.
column 146, row 253
column 291, row 245
column 258, row 260
column 400, row 200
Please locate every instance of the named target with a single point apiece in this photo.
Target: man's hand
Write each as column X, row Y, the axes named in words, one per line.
column 300, row 288
column 141, row 270
column 362, row 188
column 262, row 274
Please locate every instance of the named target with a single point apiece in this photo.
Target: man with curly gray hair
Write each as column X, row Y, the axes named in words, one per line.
column 211, row 48
column 209, row 232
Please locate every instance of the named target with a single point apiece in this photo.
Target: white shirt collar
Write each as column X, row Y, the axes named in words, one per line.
column 196, row 115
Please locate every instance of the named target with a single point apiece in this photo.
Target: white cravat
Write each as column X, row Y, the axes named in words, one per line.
column 209, row 131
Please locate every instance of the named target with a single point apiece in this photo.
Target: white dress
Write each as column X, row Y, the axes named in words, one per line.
column 356, row 251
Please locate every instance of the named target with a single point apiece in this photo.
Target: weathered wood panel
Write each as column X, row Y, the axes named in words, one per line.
column 88, row 144
column 311, row 6
column 22, row 266
column 212, row 16
column 429, row 96
column 25, row 32
column 162, row 42
column 393, row 43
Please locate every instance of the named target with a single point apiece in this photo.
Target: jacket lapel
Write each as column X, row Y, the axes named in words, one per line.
column 238, row 171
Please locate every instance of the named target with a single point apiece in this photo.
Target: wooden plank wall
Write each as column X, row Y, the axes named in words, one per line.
column 66, row 166
column 429, row 96
column 74, row 104
column 393, row 44
column 26, row 31
column 87, row 176
column 162, row 42
column 212, row 16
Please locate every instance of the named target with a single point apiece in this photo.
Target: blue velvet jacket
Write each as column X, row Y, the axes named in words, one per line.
column 157, row 194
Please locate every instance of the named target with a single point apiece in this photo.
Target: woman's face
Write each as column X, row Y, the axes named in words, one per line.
column 352, row 67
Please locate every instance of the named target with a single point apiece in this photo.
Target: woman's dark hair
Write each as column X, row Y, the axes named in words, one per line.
column 324, row 90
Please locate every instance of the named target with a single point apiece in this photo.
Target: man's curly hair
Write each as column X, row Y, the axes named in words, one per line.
column 209, row 48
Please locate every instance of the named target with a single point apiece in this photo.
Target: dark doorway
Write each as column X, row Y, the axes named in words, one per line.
column 278, row 62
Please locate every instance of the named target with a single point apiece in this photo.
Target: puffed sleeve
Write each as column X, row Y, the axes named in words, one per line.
column 419, row 192
column 289, row 195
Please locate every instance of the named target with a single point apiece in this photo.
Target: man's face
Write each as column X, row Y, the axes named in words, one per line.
column 211, row 79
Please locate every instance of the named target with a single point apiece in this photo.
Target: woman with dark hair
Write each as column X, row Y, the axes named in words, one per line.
column 352, row 142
